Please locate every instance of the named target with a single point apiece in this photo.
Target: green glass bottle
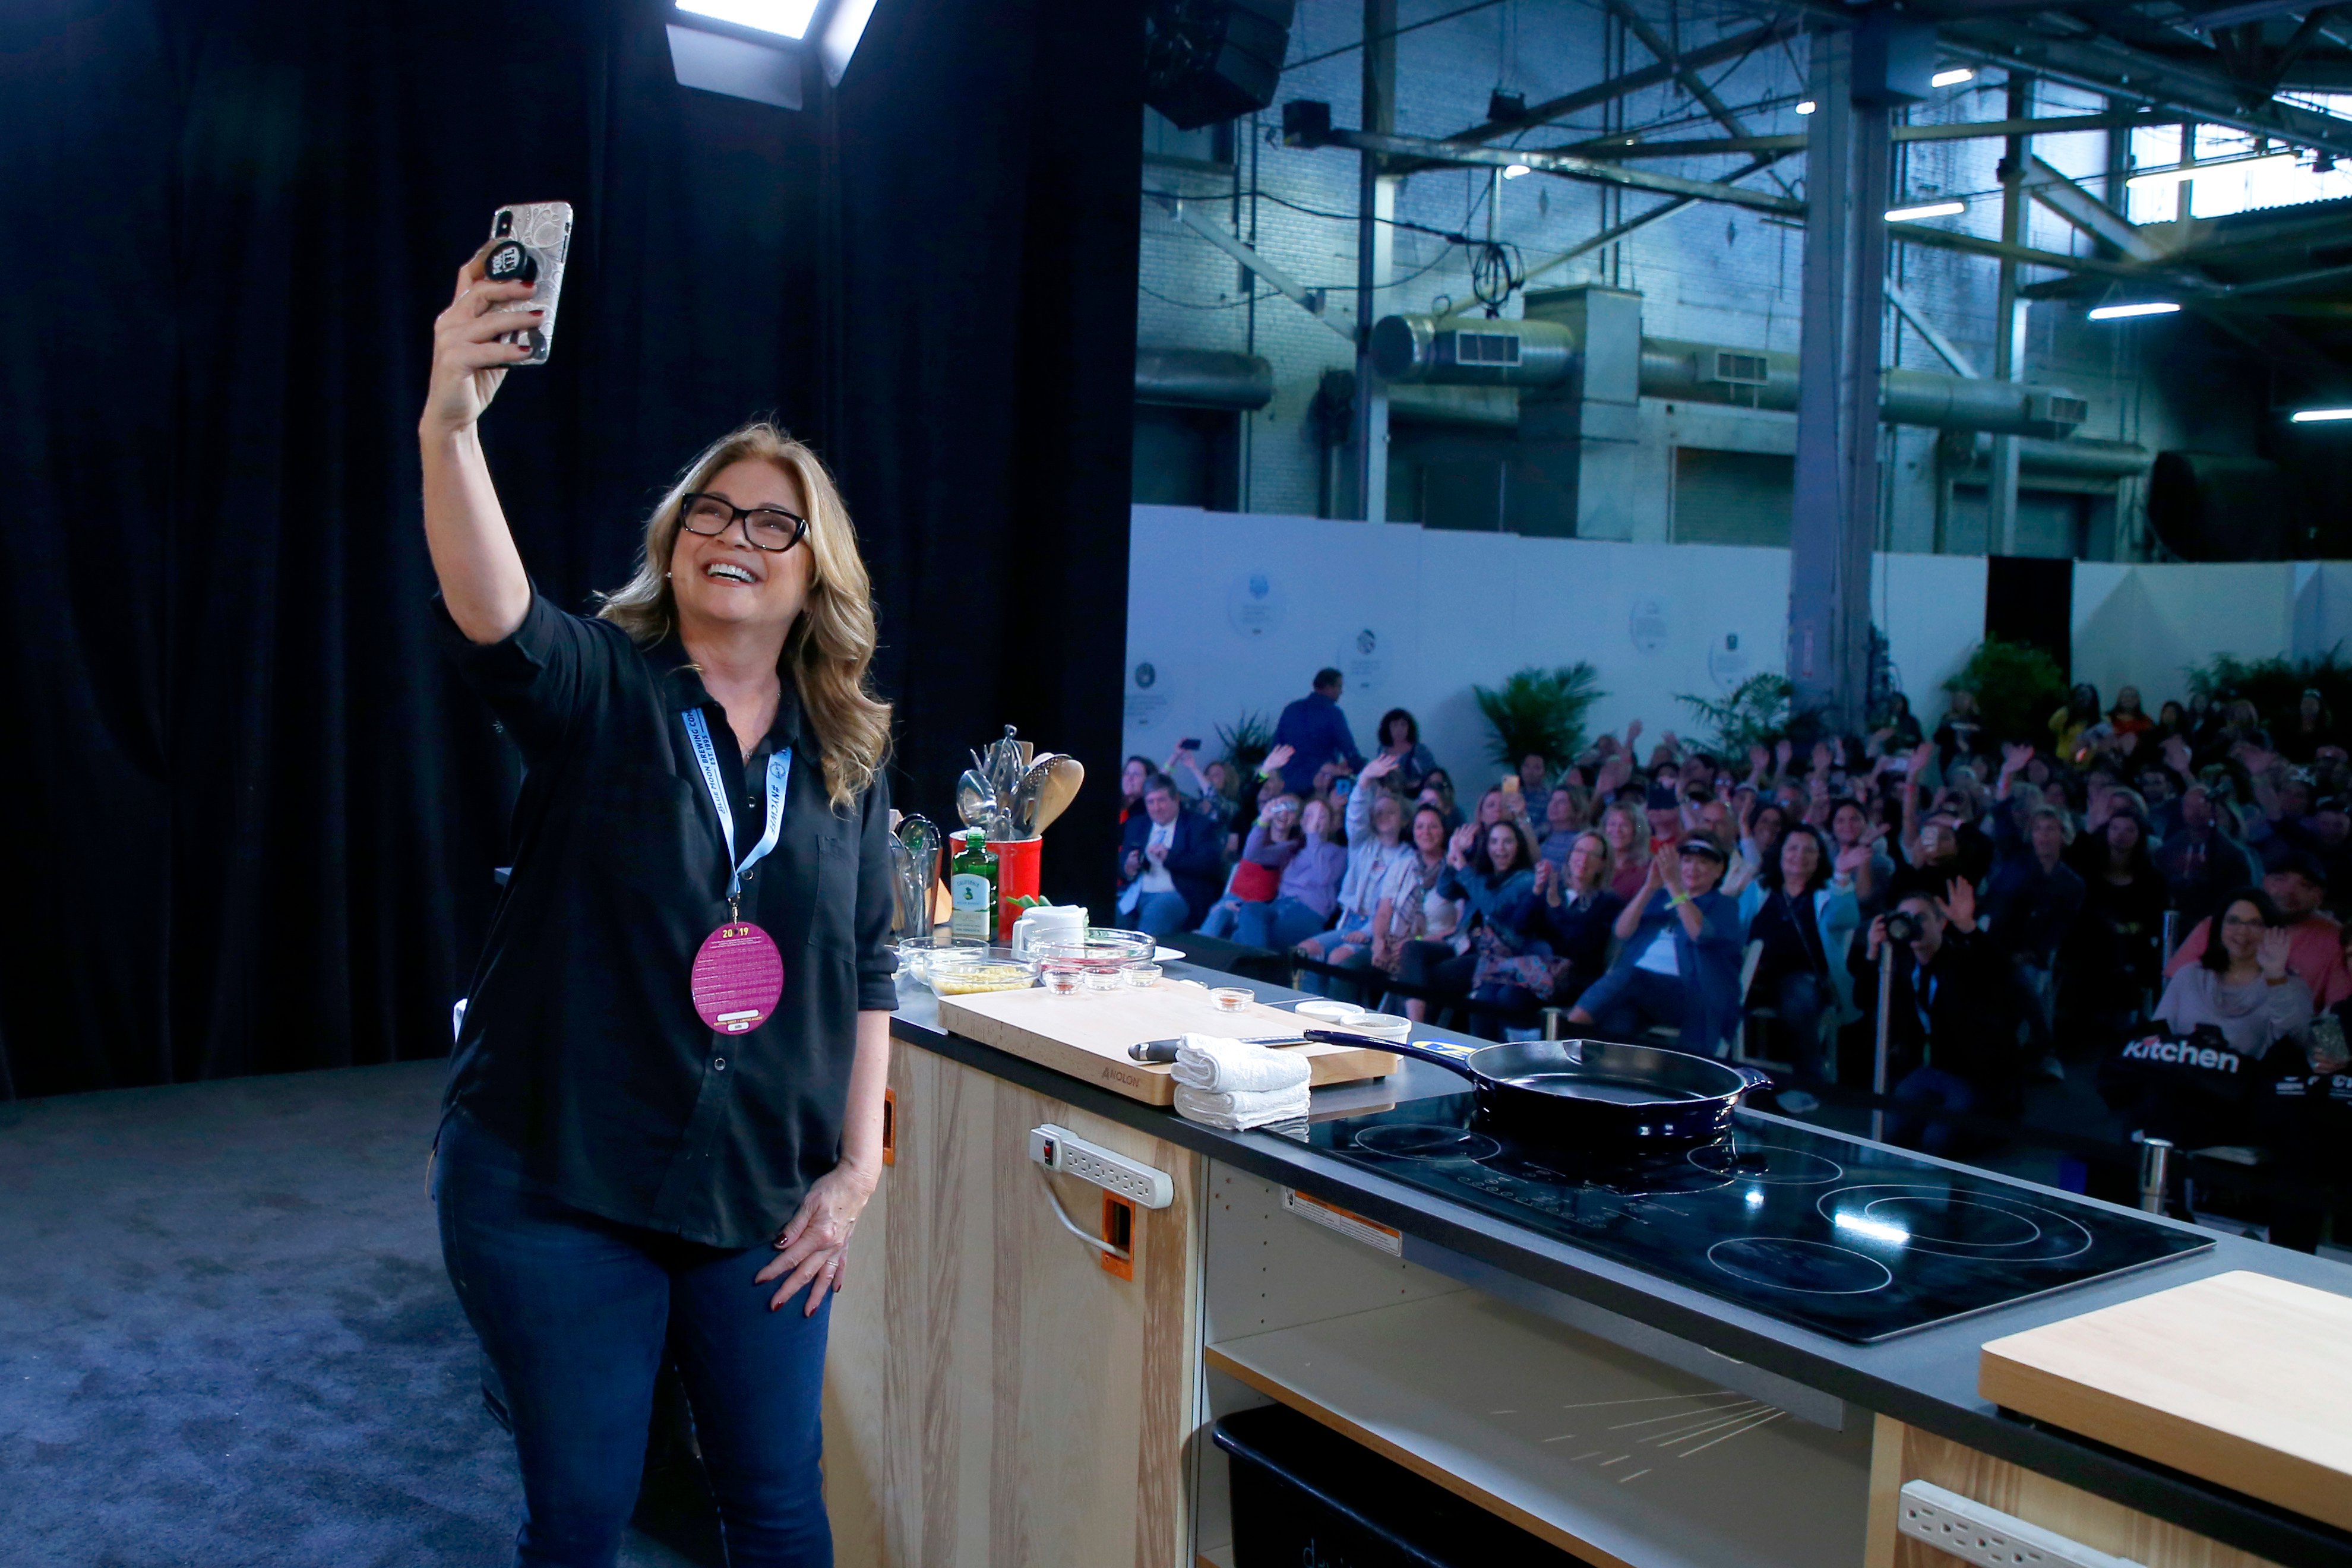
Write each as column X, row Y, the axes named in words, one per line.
column 972, row 888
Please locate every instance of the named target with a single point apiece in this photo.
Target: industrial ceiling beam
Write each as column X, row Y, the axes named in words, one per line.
column 1932, row 335
column 1312, row 301
column 1963, row 131
column 2087, row 212
column 1654, row 75
column 2106, row 65
column 1601, row 171
column 1692, row 82
column 1618, row 231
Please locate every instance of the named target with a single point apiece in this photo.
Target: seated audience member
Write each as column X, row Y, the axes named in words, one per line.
column 1760, row 846
column 2171, row 719
column 1317, row 733
column 2310, row 1079
column 2115, row 952
column 1858, row 864
column 1376, row 843
column 1900, row 726
column 1491, row 871
column 1578, row 914
column 2315, row 943
column 2031, row 901
column 1628, row 835
column 1402, row 915
column 1950, row 1044
column 2312, row 727
column 2242, row 985
column 1535, row 775
column 1437, row 790
column 1563, row 822
column 2068, row 725
column 1132, row 777
column 1400, row 739
column 1168, row 864
column 2127, row 717
column 2160, row 793
column 1273, row 841
column 1961, row 735
column 1309, row 893
column 1804, row 925
column 1210, row 789
column 1679, row 966
column 2201, row 862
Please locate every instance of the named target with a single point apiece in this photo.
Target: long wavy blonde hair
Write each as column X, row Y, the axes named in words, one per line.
column 831, row 646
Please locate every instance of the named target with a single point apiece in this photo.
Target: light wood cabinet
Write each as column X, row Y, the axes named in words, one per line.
column 1900, row 1454
column 995, row 1396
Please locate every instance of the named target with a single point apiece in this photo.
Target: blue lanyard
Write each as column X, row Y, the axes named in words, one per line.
column 780, row 770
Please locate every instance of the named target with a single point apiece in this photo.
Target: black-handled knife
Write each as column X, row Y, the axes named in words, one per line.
column 1164, row 1051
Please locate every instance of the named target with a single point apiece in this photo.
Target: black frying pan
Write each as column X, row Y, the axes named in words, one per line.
column 1578, row 1094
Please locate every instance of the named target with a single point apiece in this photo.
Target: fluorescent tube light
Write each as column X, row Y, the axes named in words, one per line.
column 785, row 18
column 2124, row 313
column 1930, row 209
column 2320, row 415
column 1952, row 78
column 2183, row 173
column 1806, row 106
column 1516, row 170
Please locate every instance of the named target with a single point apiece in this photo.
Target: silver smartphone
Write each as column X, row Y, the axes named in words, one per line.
column 528, row 244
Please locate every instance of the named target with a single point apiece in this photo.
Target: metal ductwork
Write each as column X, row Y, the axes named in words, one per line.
column 2076, row 459
column 1534, row 354
column 1202, row 378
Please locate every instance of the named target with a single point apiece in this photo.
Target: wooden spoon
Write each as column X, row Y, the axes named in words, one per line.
column 1062, row 777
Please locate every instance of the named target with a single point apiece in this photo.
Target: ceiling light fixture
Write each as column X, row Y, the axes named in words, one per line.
column 1806, row 106
column 2320, row 415
column 2182, row 173
column 757, row 49
column 1929, row 209
column 785, row 18
column 1516, row 170
column 1953, row 78
column 2124, row 313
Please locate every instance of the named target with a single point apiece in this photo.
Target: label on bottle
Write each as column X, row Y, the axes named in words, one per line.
column 971, row 920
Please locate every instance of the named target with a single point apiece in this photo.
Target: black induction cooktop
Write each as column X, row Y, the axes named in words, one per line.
column 1852, row 1239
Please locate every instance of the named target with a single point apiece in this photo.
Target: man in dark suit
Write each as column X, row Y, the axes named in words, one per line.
column 1169, row 864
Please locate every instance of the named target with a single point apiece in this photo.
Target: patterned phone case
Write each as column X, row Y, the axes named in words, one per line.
column 542, row 232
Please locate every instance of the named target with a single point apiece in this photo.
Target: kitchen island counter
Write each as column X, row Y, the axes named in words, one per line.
column 1926, row 1379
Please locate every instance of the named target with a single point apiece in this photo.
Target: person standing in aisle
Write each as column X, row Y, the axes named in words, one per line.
column 1317, row 733
column 663, row 1114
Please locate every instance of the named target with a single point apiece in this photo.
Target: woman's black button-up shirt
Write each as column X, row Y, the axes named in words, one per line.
column 580, row 1046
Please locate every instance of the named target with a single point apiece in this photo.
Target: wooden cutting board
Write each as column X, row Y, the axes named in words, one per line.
column 1086, row 1034
column 2241, row 1379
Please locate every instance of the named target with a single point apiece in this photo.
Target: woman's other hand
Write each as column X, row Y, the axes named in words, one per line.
column 468, row 360
column 1277, row 759
column 1379, row 767
column 813, row 1249
column 2272, row 955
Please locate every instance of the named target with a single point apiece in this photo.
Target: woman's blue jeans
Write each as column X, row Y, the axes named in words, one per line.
column 576, row 1312
column 1280, row 925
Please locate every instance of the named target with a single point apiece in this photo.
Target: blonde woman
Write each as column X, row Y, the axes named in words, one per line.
column 663, row 1114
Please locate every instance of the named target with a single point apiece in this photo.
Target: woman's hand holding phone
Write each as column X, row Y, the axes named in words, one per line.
column 468, row 361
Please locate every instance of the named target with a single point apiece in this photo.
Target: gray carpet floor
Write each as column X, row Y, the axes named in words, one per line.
column 225, row 1337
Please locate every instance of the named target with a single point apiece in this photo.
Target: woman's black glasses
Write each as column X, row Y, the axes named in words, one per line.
column 768, row 527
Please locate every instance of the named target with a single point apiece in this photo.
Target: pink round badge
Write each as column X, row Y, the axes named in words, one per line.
column 738, row 977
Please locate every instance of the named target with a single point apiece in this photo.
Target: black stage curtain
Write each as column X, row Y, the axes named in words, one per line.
column 250, row 818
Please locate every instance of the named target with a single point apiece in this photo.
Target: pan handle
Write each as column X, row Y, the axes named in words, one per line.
column 1755, row 1079
column 1418, row 1051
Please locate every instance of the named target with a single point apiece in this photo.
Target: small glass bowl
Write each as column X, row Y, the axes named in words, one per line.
column 969, row 971
column 1142, row 976
column 1059, row 981
column 1105, row 979
column 1231, row 998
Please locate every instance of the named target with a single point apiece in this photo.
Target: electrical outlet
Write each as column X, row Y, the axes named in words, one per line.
column 1059, row 1149
column 1975, row 1532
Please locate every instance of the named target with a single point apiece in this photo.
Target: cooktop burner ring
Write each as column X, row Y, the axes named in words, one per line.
column 2048, row 1237
column 1774, row 1261
column 1427, row 1142
column 1803, row 1169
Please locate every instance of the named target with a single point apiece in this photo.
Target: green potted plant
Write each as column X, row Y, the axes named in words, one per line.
column 2017, row 689
column 1541, row 711
column 1757, row 713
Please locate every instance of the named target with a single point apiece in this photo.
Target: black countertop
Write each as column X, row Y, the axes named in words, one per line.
column 1927, row 1378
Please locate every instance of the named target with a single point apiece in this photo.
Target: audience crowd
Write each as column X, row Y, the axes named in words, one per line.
column 2130, row 890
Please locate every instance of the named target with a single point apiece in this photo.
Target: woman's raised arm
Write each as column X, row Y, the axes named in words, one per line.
column 482, row 578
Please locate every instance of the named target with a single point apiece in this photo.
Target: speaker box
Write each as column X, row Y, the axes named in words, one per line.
column 1206, row 61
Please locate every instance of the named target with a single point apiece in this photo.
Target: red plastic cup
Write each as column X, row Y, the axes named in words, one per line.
column 1017, row 864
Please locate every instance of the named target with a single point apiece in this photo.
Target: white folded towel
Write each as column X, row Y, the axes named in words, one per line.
column 1239, row 1110
column 1205, row 1061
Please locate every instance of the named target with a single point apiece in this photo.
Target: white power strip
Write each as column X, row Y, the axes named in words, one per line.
column 1974, row 1532
column 1059, row 1149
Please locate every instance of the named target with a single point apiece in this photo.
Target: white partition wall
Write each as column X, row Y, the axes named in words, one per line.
column 1229, row 612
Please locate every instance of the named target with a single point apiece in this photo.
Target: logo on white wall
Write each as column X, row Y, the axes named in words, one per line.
column 1255, row 605
column 1364, row 662
column 1727, row 662
column 1648, row 625
column 1150, row 695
